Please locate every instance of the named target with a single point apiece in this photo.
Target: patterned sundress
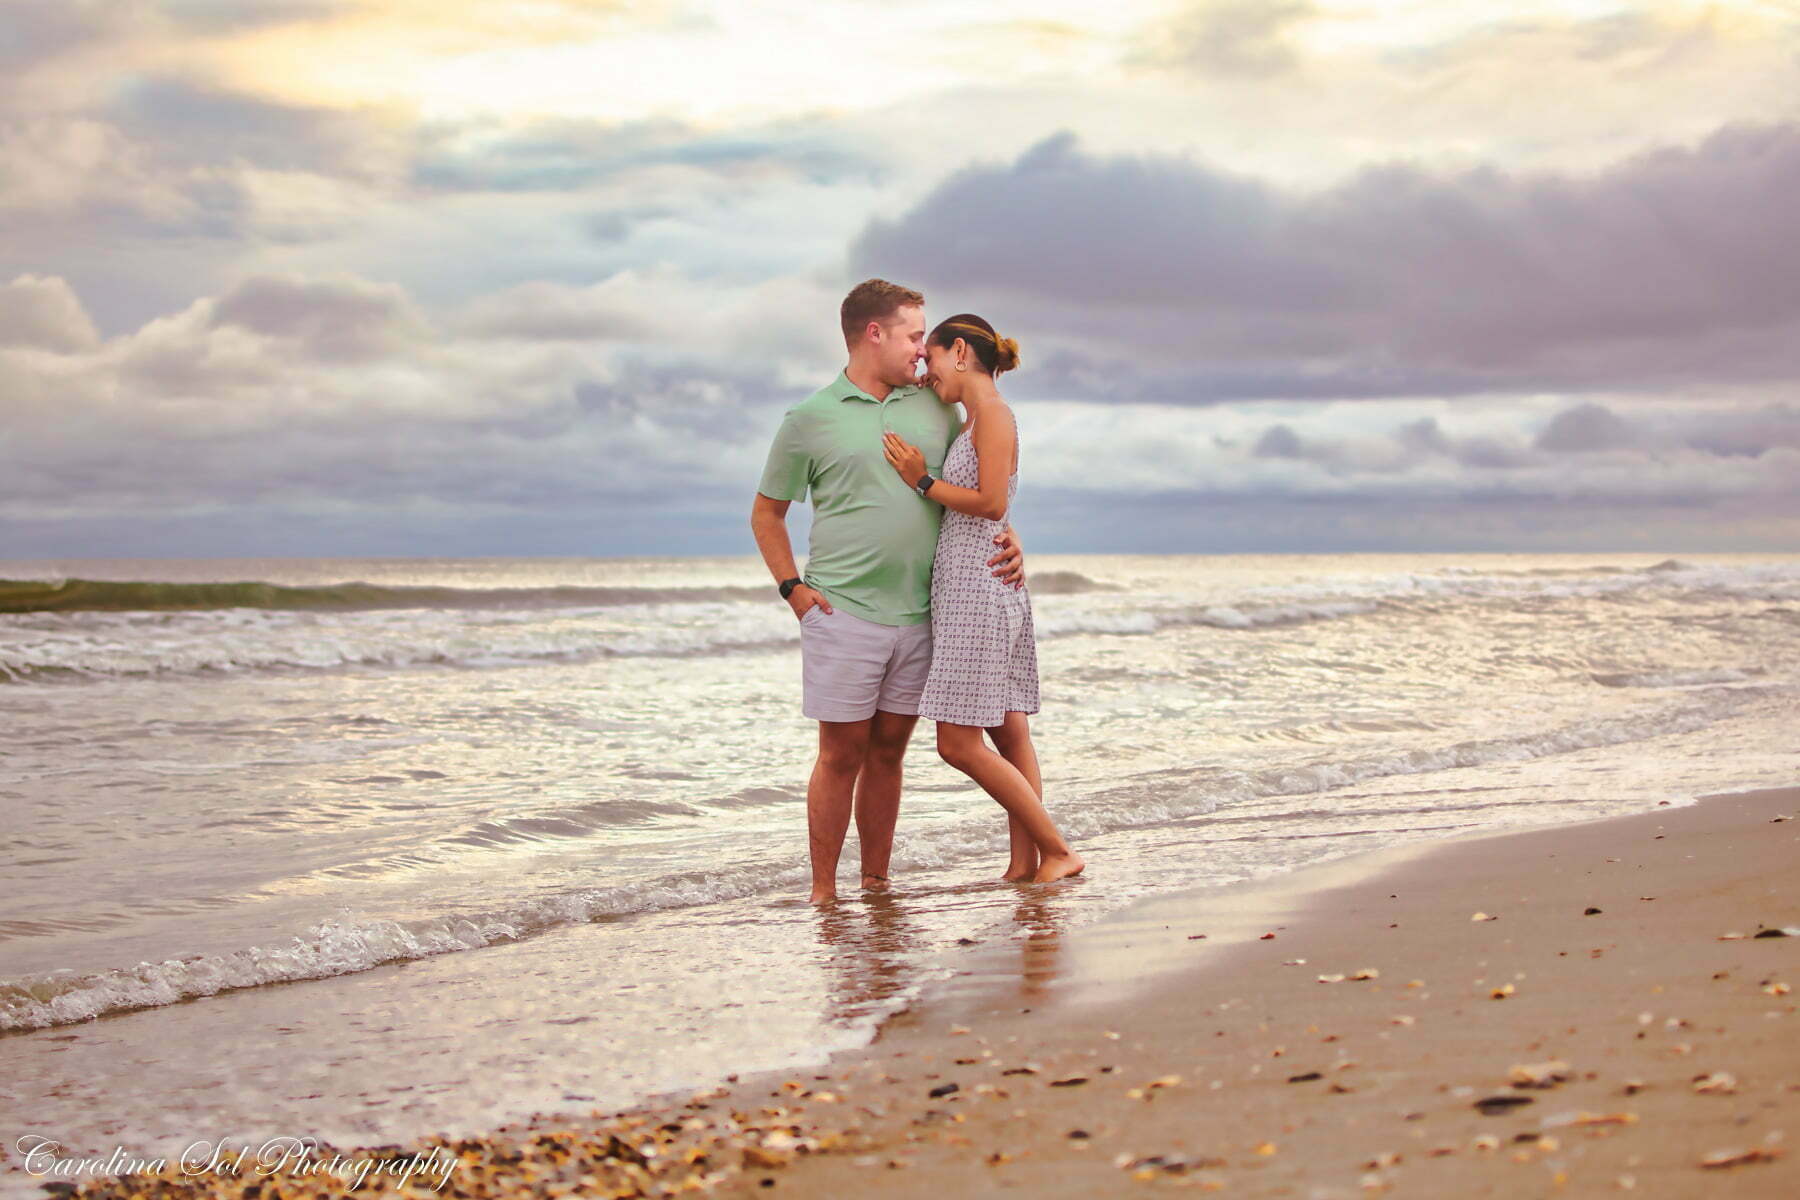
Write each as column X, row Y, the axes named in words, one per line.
column 984, row 649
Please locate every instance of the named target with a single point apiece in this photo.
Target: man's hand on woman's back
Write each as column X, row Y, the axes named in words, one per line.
column 1009, row 564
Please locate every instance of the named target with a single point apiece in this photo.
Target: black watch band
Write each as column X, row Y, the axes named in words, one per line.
column 788, row 586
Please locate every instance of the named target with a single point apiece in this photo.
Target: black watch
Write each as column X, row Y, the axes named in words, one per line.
column 924, row 484
column 788, row 586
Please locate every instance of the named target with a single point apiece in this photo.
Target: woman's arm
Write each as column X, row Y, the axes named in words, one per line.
column 993, row 453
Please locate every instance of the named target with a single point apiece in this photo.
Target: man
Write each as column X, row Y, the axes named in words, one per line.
column 864, row 605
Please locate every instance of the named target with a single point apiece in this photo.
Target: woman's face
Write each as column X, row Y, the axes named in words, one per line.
column 940, row 361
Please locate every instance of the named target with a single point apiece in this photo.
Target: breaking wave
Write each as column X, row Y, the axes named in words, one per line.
column 100, row 595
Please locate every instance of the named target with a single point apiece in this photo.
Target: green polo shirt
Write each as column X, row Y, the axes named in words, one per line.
column 873, row 537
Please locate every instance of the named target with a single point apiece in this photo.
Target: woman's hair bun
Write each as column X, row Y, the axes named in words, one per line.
column 1006, row 354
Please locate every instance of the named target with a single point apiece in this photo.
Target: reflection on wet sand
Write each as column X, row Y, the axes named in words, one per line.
column 1042, row 922
column 872, row 947
column 876, row 945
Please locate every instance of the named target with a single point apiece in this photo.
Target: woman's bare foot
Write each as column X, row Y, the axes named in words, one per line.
column 1020, row 872
column 875, row 883
column 821, row 896
column 1059, row 866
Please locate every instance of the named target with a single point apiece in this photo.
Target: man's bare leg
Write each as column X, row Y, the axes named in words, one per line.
column 842, row 747
column 878, row 793
column 1013, row 741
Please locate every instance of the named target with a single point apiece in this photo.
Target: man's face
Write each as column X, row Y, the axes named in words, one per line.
column 902, row 346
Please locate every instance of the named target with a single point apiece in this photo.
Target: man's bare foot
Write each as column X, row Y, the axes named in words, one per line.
column 1059, row 866
column 875, row 883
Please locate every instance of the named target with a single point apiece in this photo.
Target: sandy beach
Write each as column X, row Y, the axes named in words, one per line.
column 1594, row 1009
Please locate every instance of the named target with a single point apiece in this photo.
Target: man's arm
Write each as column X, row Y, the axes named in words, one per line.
column 786, row 477
column 768, row 524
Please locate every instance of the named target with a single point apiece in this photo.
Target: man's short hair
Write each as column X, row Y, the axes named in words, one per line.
column 873, row 300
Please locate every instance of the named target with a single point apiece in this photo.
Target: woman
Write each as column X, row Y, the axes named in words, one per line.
column 984, row 659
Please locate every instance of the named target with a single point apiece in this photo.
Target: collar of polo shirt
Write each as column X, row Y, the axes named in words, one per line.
column 849, row 391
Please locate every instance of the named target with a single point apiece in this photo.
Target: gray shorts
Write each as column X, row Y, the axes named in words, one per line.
column 850, row 667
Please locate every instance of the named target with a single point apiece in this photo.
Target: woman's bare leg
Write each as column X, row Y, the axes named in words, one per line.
column 1013, row 740
column 963, row 748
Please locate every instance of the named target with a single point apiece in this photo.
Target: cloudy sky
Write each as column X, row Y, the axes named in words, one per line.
column 461, row 277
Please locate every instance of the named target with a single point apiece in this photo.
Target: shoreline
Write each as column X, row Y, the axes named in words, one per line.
column 1212, row 1057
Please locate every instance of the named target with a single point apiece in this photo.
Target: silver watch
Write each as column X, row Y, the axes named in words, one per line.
column 924, row 484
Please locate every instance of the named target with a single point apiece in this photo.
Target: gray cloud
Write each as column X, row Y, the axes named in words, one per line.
column 168, row 159
column 1583, row 428
column 1585, row 446
column 1407, row 447
column 1492, row 453
column 1099, row 372
column 345, row 321
column 553, row 312
column 44, row 313
column 1746, row 434
column 1726, row 432
column 786, row 320
column 616, row 225
column 185, row 123
column 229, row 16
column 719, row 403
column 569, row 154
column 40, row 30
column 1668, row 269
column 161, row 190
column 1278, row 441
column 1423, row 437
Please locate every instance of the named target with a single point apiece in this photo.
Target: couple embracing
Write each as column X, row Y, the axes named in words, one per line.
column 906, row 609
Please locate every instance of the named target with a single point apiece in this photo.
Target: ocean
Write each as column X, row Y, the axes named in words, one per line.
column 373, row 848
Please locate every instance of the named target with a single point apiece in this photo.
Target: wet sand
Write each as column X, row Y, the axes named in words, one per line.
column 1572, row 1011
